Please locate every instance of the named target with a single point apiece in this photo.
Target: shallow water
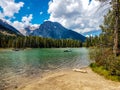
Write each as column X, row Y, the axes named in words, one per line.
column 33, row 62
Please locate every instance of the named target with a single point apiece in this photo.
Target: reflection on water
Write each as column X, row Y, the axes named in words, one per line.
column 33, row 62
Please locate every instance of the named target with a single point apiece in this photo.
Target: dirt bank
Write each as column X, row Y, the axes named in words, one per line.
column 71, row 80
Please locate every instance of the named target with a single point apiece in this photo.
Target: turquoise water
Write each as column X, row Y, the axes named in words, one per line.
column 35, row 61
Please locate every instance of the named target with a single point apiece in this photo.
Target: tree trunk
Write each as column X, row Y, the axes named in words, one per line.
column 116, row 4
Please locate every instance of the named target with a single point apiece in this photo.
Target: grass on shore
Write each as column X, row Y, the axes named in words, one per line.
column 102, row 71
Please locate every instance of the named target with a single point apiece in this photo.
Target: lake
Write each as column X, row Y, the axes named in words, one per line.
column 15, row 65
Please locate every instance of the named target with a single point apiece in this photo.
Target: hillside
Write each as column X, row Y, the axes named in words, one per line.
column 6, row 29
column 54, row 30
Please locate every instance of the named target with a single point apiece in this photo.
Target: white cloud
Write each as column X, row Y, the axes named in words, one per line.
column 41, row 13
column 10, row 7
column 27, row 19
column 19, row 26
column 25, row 22
column 76, row 14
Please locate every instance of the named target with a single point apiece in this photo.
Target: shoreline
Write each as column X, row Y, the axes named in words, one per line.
column 71, row 80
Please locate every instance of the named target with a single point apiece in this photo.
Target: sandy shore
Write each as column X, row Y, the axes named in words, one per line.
column 71, row 80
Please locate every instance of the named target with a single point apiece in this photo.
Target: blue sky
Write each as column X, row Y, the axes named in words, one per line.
column 77, row 15
column 34, row 7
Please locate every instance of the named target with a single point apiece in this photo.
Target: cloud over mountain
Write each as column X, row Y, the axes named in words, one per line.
column 25, row 22
column 8, row 8
column 76, row 14
column 79, row 15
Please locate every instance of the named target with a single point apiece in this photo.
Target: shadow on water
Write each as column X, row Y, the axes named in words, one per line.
column 34, row 62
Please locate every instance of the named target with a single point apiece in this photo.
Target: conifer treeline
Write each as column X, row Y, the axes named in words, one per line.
column 36, row 42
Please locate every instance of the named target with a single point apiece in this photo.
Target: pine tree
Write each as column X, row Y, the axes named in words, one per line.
column 115, row 24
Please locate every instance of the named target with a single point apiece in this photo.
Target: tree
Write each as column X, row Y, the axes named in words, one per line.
column 116, row 10
column 115, row 5
column 108, row 29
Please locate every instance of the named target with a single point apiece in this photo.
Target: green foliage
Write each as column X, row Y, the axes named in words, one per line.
column 102, row 71
column 107, row 28
column 105, row 63
column 36, row 42
column 106, row 37
column 92, row 41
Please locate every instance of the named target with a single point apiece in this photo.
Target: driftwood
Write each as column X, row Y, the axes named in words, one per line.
column 80, row 70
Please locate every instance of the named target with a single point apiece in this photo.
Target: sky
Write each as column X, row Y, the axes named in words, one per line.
column 81, row 16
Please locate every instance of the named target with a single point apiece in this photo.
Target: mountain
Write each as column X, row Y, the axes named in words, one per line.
column 6, row 29
column 54, row 30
